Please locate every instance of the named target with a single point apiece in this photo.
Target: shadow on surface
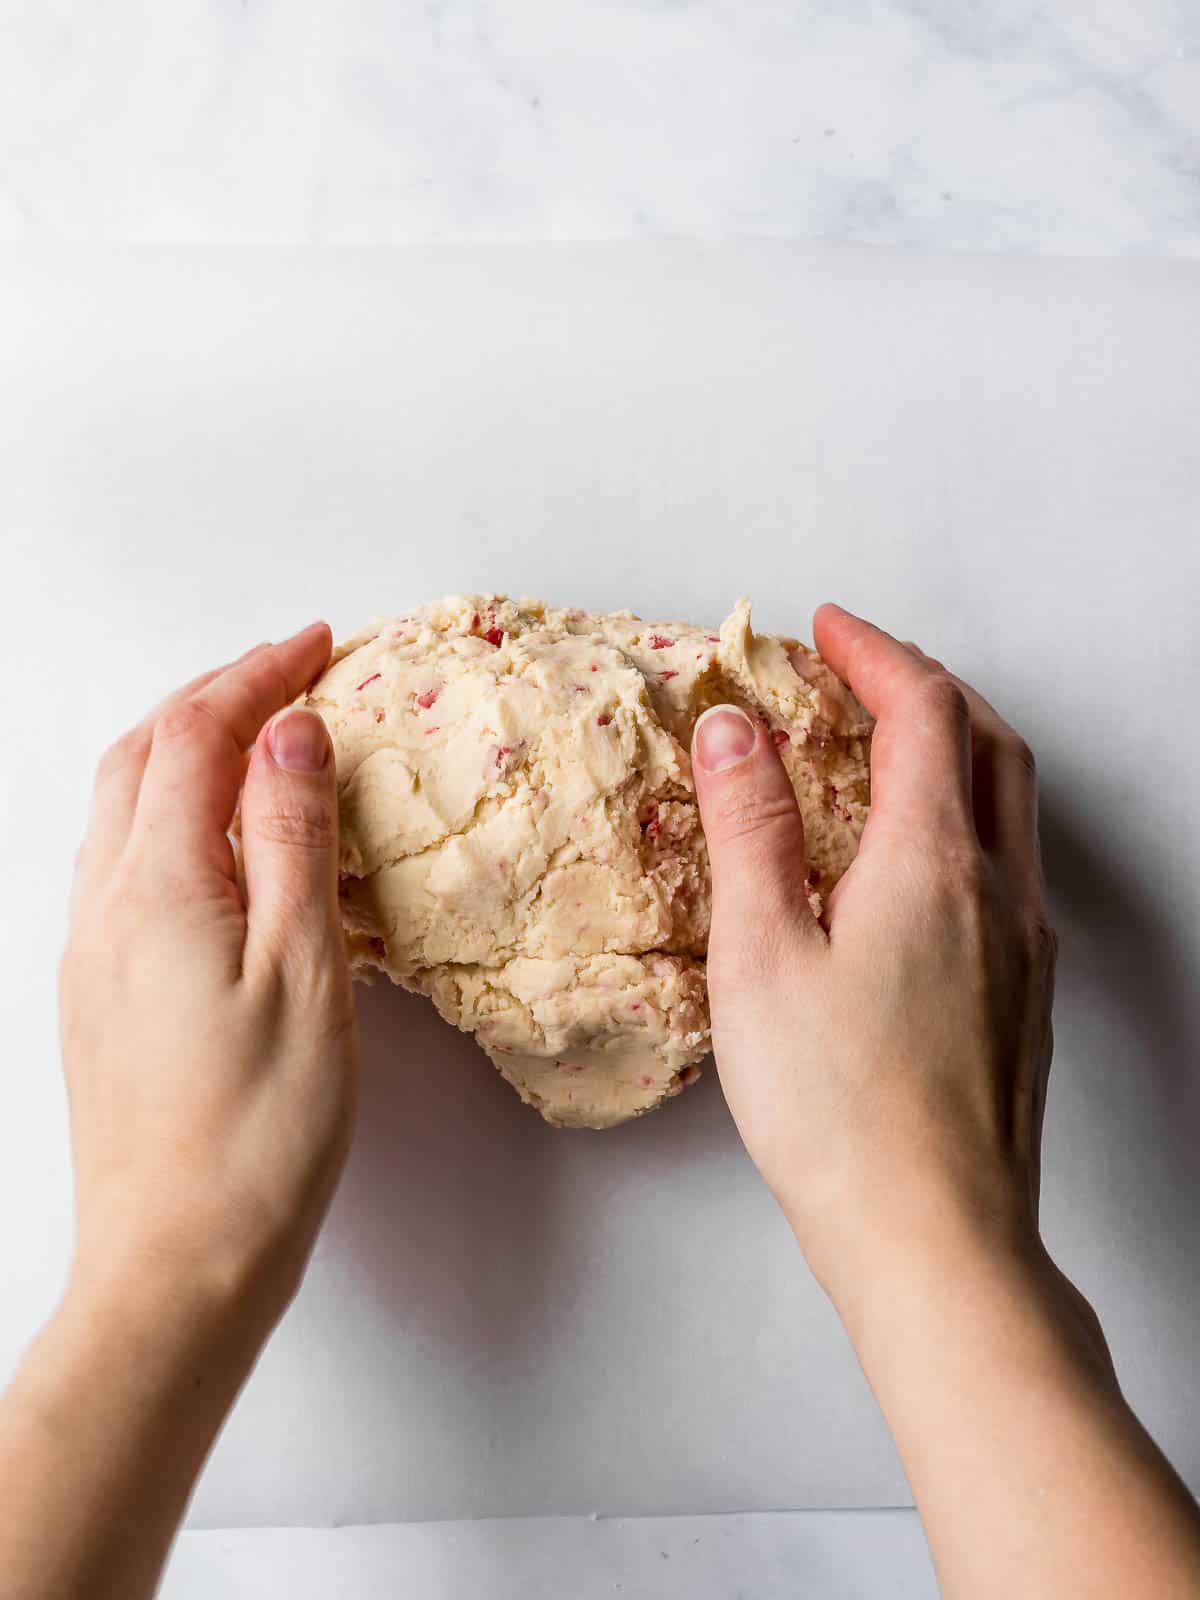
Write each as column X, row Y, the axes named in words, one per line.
column 1128, row 1149
column 464, row 1214
column 1121, row 956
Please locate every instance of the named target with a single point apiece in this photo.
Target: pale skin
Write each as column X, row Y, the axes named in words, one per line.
column 211, row 1061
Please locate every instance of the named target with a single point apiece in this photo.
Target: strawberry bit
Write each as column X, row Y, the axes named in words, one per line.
column 669, row 673
column 636, row 1006
column 503, row 751
column 374, row 676
column 646, row 1080
column 779, row 738
column 379, row 714
column 475, row 623
column 427, row 696
column 581, row 688
column 495, row 636
column 434, row 729
column 603, row 720
column 713, row 638
column 595, row 667
column 660, row 641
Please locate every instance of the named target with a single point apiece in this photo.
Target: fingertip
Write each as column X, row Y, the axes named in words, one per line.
column 312, row 643
column 828, row 614
column 297, row 741
column 724, row 736
column 834, row 628
column 315, row 629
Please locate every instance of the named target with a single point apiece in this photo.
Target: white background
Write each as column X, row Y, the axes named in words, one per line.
column 998, row 458
column 201, row 446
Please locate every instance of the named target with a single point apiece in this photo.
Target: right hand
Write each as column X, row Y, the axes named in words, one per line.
column 888, row 1072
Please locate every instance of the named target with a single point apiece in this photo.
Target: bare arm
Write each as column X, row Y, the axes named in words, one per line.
column 887, row 1071
column 210, row 1055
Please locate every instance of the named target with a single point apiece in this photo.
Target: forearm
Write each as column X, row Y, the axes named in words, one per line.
column 1032, row 1475
column 102, row 1435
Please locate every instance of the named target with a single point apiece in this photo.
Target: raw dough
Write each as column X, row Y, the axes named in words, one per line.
column 519, row 833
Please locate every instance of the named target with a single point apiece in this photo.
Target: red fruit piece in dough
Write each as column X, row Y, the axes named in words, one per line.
column 660, row 641
column 366, row 681
column 427, row 696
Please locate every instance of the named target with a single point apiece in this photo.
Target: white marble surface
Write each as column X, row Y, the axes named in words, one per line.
column 1030, row 125
column 995, row 456
column 814, row 1555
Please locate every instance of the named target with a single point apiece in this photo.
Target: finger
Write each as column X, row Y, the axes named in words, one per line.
column 119, row 778
column 289, row 841
column 1004, row 786
column 196, row 762
column 753, row 829
column 921, row 746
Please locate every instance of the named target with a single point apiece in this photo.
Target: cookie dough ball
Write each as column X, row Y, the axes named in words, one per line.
column 519, row 833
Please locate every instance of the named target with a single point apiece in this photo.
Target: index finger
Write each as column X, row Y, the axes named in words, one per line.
column 1004, row 781
column 190, row 786
column 921, row 747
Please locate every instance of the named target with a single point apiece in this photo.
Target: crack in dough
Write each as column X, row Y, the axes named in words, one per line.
column 519, row 834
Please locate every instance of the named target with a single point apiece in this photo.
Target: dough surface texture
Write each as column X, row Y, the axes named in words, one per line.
column 519, row 834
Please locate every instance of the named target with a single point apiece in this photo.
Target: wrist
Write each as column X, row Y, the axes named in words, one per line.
column 868, row 1235
column 944, row 1279
column 167, row 1330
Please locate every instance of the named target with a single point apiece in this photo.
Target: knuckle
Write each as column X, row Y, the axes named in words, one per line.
column 743, row 814
column 939, row 696
column 1044, row 938
column 183, row 721
column 265, row 672
column 1016, row 750
column 300, row 827
column 119, row 755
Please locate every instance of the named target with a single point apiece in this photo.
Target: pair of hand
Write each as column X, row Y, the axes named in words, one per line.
column 899, row 1054
column 886, row 1069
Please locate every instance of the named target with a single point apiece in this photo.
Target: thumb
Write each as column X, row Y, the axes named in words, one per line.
column 753, row 828
column 290, row 835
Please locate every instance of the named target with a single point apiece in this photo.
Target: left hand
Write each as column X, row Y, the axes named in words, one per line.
column 209, row 1036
